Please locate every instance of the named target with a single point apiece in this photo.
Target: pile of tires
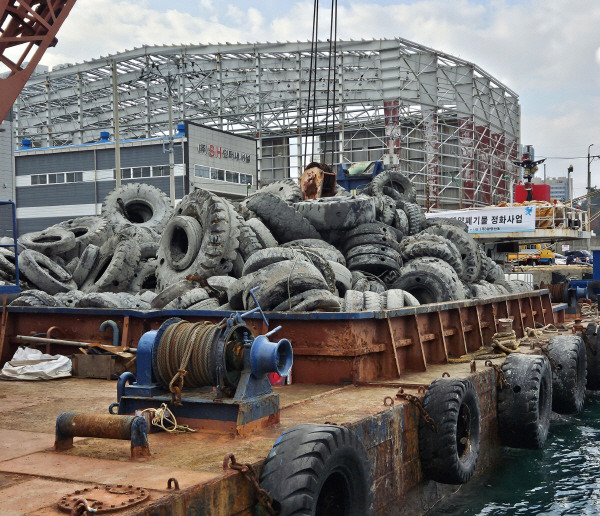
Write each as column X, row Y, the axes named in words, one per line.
column 368, row 252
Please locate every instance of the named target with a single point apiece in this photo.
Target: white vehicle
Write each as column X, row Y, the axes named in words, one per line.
column 560, row 259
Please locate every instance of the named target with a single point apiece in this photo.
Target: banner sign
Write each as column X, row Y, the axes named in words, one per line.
column 493, row 220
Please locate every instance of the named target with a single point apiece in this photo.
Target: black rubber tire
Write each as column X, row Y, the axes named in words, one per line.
column 116, row 264
column 99, row 300
column 385, row 209
column 187, row 299
column 139, row 204
column 283, row 221
column 343, row 277
column 173, row 291
column 467, row 246
column 371, row 239
column 375, row 228
column 206, row 304
column 86, row 263
column 430, row 280
column 264, row 236
column 44, row 273
column 319, row 301
column 454, row 406
column 281, row 280
column 415, row 216
column 337, row 213
column 248, row 241
column 569, row 379
column 266, row 257
column 426, row 244
column 183, row 236
column 144, row 277
column 401, row 222
column 446, row 221
column 219, row 230
column 377, row 264
column 318, row 470
column 592, row 333
column 525, row 406
column 50, row 242
column 393, row 183
column 372, row 250
column 34, row 298
column 327, row 250
column 217, row 286
column 287, row 190
column 495, row 272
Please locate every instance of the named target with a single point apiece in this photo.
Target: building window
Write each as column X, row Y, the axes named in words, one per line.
column 220, row 174
column 146, row 171
column 74, row 177
column 39, row 179
column 201, row 171
column 160, row 170
column 136, row 172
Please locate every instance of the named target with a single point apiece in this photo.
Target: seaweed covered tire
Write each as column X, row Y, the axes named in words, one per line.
column 449, row 455
column 284, row 222
column 394, row 184
column 319, row 469
column 430, row 280
column 592, row 333
column 525, row 405
column 569, row 377
column 139, row 204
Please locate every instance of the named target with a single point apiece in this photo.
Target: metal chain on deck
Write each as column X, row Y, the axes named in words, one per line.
column 401, row 395
column 555, row 365
column 500, row 377
column 264, row 498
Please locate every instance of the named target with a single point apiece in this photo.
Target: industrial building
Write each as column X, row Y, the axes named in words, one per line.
column 450, row 125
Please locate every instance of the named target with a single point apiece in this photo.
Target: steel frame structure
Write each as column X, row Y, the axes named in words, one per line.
column 451, row 125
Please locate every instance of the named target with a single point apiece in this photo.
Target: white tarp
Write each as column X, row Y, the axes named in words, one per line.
column 32, row 364
column 493, row 220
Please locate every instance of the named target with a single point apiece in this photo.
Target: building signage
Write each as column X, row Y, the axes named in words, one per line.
column 215, row 151
column 493, row 220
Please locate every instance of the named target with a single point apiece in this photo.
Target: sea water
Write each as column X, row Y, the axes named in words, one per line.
column 561, row 479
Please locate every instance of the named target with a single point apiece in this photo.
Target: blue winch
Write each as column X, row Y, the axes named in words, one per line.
column 211, row 376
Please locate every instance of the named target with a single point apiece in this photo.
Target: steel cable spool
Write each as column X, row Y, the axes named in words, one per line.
column 210, row 354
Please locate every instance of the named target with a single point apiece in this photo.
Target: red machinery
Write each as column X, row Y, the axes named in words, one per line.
column 25, row 24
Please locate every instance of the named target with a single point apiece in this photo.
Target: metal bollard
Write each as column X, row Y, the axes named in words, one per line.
column 77, row 424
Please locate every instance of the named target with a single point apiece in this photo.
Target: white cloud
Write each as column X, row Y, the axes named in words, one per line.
column 545, row 50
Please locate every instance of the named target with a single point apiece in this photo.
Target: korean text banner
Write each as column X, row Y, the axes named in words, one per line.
column 493, row 220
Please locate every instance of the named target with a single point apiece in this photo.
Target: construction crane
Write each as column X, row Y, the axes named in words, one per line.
column 27, row 29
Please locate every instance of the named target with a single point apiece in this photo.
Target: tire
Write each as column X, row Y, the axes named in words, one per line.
column 410, row 300
column 114, row 269
column 281, row 280
column 385, row 209
column 591, row 290
column 264, row 236
column 495, row 273
column 7, row 262
column 376, row 286
column 68, row 299
column 430, row 280
column 592, row 333
column 266, row 257
column 375, row 228
column 139, row 204
column 219, row 233
column 86, row 263
column 87, row 230
column 337, row 213
column 283, row 221
column 568, row 380
column 99, row 300
column 248, row 241
column 343, row 277
column 148, row 250
column 425, row 244
column 144, row 277
column 50, row 242
column 373, row 250
column 206, row 304
column 467, row 247
column 394, row 299
column 446, row 221
column 319, row 469
column 354, row 301
column 173, row 291
column 449, row 456
column 35, row 298
column 187, row 299
column 401, row 222
column 327, row 250
column 525, row 406
column 289, row 304
column 392, row 183
column 376, row 239
column 287, row 190
column 319, row 301
column 378, row 264
column 44, row 273
column 415, row 216
column 372, row 302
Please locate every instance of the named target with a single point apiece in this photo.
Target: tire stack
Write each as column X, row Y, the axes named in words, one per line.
column 371, row 252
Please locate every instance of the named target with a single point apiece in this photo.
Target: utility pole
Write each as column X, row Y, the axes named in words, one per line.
column 117, row 137
column 589, row 185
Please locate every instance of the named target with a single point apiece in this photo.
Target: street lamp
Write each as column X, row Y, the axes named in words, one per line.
column 569, row 172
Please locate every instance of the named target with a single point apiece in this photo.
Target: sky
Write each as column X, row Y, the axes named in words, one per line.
column 547, row 51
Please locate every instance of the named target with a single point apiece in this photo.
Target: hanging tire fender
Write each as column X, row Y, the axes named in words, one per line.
column 316, row 469
column 569, row 378
column 449, row 455
column 525, row 404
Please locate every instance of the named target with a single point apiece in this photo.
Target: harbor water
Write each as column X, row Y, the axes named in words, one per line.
column 561, row 479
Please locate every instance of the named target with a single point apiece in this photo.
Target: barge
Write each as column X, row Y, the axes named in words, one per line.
column 364, row 372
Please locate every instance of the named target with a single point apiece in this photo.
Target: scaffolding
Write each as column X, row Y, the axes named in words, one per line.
column 451, row 126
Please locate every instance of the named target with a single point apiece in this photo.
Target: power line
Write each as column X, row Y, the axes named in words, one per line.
column 574, row 157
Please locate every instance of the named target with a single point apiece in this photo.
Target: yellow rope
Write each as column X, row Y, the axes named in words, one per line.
column 163, row 418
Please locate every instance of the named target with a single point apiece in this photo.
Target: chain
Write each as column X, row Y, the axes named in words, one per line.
column 401, row 395
column 264, row 498
column 500, row 377
column 553, row 362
